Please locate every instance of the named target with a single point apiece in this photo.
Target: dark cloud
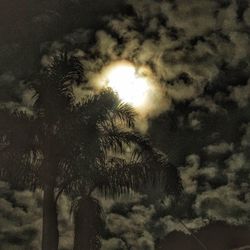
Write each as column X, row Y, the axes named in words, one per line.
column 219, row 148
column 27, row 25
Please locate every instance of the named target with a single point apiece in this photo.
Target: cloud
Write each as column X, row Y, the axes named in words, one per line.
column 236, row 161
column 183, row 43
column 132, row 227
column 197, row 176
column 223, row 204
column 180, row 91
column 219, row 148
column 237, row 168
column 170, row 224
column 186, row 45
column 216, row 200
column 241, row 94
column 193, row 18
column 247, row 16
column 194, row 120
column 21, row 220
column 189, row 173
column 113, row 244
column 207, row 103
column 227, row 17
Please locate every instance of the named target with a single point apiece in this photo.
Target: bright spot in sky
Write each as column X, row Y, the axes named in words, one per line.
column 131, row 85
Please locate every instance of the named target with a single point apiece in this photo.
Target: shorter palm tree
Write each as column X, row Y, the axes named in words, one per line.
column 101, row 130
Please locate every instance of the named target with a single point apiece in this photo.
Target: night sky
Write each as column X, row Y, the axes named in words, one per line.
column 199, row 54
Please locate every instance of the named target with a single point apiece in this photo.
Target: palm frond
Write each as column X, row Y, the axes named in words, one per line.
column 123, row 114
column 118, row 176
column 17, row 132
column 64, row 68
column 113, row 138
column 53, row 85
column 98, row 106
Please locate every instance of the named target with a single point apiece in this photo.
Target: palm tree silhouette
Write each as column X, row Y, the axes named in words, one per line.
column 102, row 130
column 53, row 105
column 78, row 149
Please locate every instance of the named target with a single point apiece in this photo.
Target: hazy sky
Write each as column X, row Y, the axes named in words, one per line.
column 199, row 53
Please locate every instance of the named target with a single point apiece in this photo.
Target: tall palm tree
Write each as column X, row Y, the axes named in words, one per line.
column 102, row 130
column 33, row 148
column 53, row 104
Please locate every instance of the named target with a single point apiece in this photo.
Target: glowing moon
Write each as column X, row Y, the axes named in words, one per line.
column 128, row 82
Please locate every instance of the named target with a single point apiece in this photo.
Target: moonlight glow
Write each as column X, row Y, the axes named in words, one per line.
column 131, row 85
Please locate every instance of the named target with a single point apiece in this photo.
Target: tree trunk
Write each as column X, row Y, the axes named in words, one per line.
column 50, row 235
column 87, row 221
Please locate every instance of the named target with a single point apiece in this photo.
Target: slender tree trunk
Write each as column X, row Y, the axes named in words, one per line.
column 50, row 235
column 87, row 224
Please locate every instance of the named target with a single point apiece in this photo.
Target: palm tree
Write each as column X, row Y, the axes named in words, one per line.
column 78, row 149
column 102, row 129
column 53, row 105
column 33, row 147
column 46, row 137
